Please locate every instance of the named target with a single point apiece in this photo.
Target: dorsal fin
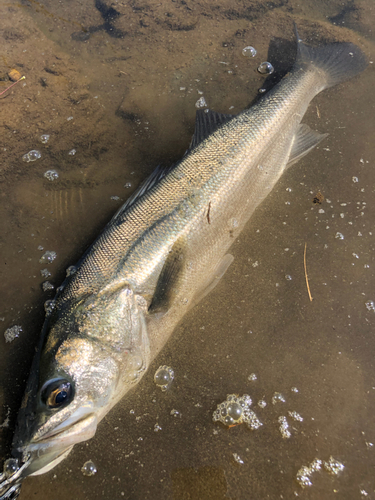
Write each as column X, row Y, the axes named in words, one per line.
column 159, row 173
column 206, row 122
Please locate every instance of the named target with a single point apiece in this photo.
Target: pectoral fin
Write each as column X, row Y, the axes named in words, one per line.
column 304, row 141
column 169, row 278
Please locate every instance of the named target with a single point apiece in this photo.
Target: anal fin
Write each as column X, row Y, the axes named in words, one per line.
column 304, row 141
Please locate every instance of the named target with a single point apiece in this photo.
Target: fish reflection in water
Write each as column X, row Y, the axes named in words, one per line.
column 161, row 253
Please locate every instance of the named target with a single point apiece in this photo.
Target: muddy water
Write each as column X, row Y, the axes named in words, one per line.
column 129, row 75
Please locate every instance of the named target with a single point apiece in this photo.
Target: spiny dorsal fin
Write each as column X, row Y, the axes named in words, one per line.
column 159, row 173
column 305, row 140
column 206, row 122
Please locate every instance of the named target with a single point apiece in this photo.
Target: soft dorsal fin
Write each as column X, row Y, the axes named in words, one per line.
column 304, row 141
column 206, row 122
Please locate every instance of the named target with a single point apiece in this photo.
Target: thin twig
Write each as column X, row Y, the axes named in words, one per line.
column 22, row 78
column 307, row 280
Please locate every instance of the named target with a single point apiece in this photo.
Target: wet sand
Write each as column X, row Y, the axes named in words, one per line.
column 130, row 74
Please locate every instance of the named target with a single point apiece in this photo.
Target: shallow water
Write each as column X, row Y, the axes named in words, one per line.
column 130, row 81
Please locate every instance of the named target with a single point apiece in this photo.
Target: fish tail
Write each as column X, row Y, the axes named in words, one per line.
column 335, row 62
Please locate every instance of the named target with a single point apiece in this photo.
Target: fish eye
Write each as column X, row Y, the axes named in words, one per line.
column 57, row 393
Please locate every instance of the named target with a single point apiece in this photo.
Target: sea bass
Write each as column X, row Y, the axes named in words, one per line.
column 164, row 250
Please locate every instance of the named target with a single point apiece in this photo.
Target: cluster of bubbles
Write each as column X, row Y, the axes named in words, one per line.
column 32, row 155
column 44, row 138
column 332, row 466
column 370, row 306
column 284, row 427
column 47, row 285
column 163, row 377
column 49, row 305
column 236, row 410
column 45, row 273
column 48, row 257
column 51, row 175
column 201, row 103
column 12, row 333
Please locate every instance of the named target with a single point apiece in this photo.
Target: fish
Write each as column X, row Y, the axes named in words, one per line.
column 164, row 250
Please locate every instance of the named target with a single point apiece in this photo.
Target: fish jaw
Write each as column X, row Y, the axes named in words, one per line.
column 47, row 452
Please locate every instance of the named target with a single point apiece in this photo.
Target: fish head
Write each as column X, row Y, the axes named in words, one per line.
column 93, row 352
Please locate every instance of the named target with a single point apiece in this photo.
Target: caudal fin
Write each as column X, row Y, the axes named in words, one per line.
column 336, row 62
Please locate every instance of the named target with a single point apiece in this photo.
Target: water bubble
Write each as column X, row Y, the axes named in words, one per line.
column 339, row 236
column 48, row 257
column 51, row 175
column 12, row 333
column 249, row 51
column 234, row 411
column 70, row 270
column 45, row 273
column 163, row 377
column 69, row 118
column 252, row 377
column 201, row 103
column 115, row 198
column 355, row 179
column 44, row 138
column 10, row 467
column 237, row 458
column 157, row 427
column 262, row 403
column 294, row 389
column 288, row 277
column 89, row 468
column 261, row 91
column 175, row 413
column 72, row 152
column 47, row 285
column 128, row 185
column 265, row 68
column 32, row 155
column 370, row 306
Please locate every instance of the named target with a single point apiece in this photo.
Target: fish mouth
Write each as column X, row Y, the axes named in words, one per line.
column 43, row 453
column 64, row 436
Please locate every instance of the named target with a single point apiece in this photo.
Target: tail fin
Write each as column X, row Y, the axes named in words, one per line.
column 337, row 62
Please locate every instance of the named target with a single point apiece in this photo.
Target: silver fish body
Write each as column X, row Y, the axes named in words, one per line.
column 159, row 255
